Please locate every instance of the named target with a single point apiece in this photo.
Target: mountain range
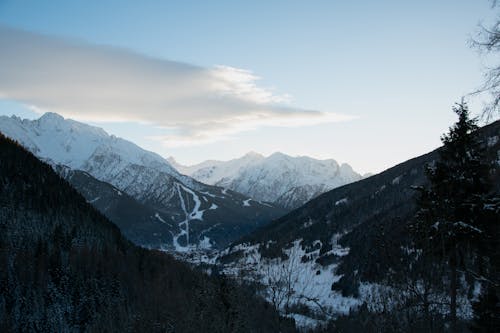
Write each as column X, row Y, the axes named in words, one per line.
column 283, row 180
column 330, row 255
column 140, row 191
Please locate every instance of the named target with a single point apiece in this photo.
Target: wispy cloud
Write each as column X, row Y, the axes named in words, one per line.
column 103, row 83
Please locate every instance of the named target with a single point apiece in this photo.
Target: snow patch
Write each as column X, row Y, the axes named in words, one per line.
column 194, row 214
column 342, row 201
column 308, row 282
column 468, row 226
column 93, row 200
column 397, row 180
column 205, row 243
column 158, row 217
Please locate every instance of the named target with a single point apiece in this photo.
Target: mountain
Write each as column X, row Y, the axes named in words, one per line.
column 178, row 211
column 336, row 250
column 283, row 180
column 67, row 268
column 137, row 221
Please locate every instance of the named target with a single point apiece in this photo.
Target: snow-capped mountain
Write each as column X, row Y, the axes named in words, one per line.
column 191, row 213
column 284, row 180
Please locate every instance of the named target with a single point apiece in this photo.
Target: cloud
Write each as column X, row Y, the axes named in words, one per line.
column 102, row 83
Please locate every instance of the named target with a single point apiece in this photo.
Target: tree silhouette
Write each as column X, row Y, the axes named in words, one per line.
column 448, row 222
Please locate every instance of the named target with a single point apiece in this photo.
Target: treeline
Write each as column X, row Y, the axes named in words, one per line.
column 65, row 268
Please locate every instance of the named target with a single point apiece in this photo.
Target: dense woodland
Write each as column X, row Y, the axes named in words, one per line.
column 66, row 268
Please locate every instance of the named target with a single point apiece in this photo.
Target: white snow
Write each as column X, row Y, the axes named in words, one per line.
column 205, row 243
column 342, row 201
column 310, row 283
column 213, row 207
column 212, row 172
column 94, row 200
column 246, row 203
column 72, row 143
column 158, row 217
column 467, row 226
column 397, row 180
column 270, row 178
column 209, row 194
column 194, row 214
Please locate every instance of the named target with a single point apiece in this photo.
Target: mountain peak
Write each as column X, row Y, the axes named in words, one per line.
column 253, row 154
column 269, row 178
column 171, row 160
column 278, row 154
column 51, row 116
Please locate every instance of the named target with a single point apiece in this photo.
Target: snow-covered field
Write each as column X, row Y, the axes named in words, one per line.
column 294, row 281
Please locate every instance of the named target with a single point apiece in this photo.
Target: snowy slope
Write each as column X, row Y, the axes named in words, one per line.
column 284, row 180
column 143, row 175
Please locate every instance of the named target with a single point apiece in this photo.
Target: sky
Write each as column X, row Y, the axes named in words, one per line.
column 370, row 83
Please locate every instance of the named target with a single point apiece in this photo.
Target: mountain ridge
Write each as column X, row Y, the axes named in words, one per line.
column 278, row 178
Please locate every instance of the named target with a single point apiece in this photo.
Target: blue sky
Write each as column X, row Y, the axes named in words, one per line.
column 389, row 70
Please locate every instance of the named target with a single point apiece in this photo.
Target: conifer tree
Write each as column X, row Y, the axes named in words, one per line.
column 448, row 223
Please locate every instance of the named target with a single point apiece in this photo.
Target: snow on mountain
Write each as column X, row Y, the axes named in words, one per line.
column 73, row 144
column 284, row 180
column 144, row 175
column 217, row 172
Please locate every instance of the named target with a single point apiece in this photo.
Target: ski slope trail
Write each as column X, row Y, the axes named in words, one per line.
column 194, row 214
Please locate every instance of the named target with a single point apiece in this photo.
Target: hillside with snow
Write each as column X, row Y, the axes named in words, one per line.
column 281, row 179
column 187, row 212
column 341, row 249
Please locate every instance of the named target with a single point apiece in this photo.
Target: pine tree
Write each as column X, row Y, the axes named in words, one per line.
column 448, row 223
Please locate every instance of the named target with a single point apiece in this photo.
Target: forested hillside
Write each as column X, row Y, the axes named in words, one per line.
column 355, row 248
column 65, row 268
